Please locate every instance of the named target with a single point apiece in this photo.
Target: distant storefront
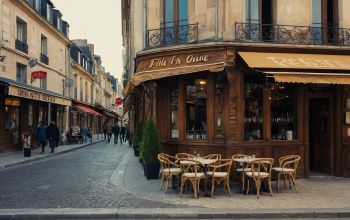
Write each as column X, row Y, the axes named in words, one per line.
column 22, row 107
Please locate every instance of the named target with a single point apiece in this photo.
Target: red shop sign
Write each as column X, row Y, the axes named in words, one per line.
column 39, row 75
column 118, row 101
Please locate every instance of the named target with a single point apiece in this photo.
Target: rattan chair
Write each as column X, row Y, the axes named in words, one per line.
column 168, row 169
column 261, row 170
column 192, row 173
column 213, row 156
column 288, row 166
column 239, row 168
column 219, row 173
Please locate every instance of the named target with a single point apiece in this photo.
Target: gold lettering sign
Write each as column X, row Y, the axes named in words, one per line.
column 35, row 95
column 308, row 63
column 181, row 60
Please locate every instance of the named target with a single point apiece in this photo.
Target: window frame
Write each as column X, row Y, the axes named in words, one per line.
column 21, row 73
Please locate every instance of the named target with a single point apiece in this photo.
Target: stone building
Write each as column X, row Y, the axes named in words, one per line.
column 263, row 77
column 34, row 75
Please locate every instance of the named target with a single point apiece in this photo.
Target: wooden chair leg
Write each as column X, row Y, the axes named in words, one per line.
column 290, row 185
column 278, row 182
column 182, row 185
column 212, row 187
column 228, row 186
column 294, row 184
column 270, row 187
column 161, row 182
column 257, row 184
column 284, row 180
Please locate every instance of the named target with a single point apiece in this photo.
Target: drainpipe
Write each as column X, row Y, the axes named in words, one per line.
column 216, row 20
column 145, row 32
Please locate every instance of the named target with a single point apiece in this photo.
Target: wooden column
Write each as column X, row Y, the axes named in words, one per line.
column 231, row 107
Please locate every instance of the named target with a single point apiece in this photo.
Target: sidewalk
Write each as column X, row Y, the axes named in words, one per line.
column 16, row 158
column 314, row 194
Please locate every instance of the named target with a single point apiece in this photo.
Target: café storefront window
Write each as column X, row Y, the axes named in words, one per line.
column 253, row 108
column 174, row 110
column 196, row 109
column 283, row 112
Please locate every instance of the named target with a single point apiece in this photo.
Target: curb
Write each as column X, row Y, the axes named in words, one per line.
column 160, row 213
column 47, row 155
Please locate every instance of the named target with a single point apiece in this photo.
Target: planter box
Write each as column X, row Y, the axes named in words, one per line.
column 136, row 152
column 151, row 171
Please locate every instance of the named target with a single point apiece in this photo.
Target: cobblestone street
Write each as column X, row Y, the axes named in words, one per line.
column 79, row 179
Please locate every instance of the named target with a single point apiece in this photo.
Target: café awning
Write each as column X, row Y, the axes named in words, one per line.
column 143, row 76
column 295, row 61
column 86, row 109
column 292, row 67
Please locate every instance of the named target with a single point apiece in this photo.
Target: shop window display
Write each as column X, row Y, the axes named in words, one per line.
column 283, row 112
column 196, row 109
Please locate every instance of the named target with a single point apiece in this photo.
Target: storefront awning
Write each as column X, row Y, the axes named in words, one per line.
column 22, row 90
column 306, row 77
column 87, row 109
column 143, row 76
column 295, row 61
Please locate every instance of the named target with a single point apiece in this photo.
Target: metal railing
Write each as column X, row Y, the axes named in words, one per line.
column 288, row 34
column 21, row 46
column 44, row 59
column 172, row 33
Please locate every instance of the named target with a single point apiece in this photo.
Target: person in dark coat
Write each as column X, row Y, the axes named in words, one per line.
column 116, row 131
column 53, row 135
column 42, row 136
column 122, row 134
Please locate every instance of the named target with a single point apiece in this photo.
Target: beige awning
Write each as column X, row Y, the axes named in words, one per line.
column 316, row 78
column 296, row 61
column 143, row 76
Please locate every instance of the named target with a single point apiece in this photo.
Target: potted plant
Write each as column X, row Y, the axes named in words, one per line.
column 150, row 147
column 136, row 140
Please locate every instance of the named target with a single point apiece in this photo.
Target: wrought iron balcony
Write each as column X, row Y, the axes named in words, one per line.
column 288, row 34
column 21, row 46
column 173, row 33
column 44, row 59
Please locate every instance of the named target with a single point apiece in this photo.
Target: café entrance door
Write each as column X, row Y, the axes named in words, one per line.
column 320, row 135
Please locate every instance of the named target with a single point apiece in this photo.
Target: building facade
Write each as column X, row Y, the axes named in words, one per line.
column 34, row 72
column 269, row 78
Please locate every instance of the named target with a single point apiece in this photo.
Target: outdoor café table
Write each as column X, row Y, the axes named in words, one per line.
column 245, row 161
column 204, row 163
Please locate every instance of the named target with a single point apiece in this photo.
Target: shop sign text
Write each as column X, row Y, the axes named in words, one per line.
column 35, row 95
column 308, row 63
column 178, row 60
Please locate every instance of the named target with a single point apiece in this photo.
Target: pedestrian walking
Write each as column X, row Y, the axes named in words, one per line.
column 109, row 131
column 84, row 133
column 53, row 135
column 116, row 131
column 90, row 133
column 42, row 136
column 122, row 134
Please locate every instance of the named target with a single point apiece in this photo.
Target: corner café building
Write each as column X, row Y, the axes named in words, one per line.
column 26, row 106
column 269, row 102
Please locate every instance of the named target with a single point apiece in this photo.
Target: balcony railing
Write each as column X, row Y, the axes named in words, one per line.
column 173, row 33
column 21, row 46
column 288, row 34
column 44, row 59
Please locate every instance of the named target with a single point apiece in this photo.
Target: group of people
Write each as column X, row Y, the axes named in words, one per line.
column 119, row 132
column 81, row 133
column 49, row 134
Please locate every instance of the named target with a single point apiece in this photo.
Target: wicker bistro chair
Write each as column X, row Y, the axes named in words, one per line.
column 288, row 166
column 168, row 169
column 191, row 172
column 261, row 170
column 241, row 168
column 213, row 156
column 180, row 156
column 219, row 173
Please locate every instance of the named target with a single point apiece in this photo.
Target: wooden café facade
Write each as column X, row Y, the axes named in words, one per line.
column 267, row 101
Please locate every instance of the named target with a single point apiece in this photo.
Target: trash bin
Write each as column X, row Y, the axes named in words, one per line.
column 27, row 151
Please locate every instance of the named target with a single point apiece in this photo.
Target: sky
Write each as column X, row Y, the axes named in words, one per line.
column 100, row 23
